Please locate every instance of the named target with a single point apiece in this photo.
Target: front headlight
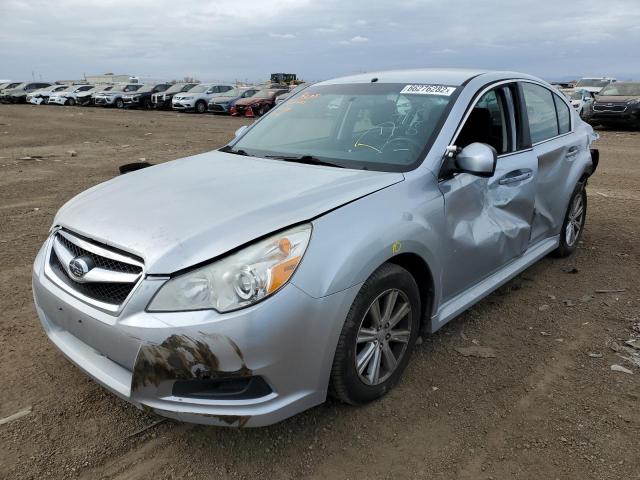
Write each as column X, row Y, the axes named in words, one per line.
column 634, row 101
column 238, row 280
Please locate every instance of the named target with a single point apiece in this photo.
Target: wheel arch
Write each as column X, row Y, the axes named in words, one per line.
column 421, row 273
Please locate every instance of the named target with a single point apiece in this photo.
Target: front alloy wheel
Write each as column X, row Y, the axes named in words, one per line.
column 383, row 337
column 377, row 337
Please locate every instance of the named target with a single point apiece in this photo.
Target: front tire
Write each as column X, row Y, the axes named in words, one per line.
column 119, row 103
column 573, row 224
column 71, row 102
column 378, row 336
column 201, row 107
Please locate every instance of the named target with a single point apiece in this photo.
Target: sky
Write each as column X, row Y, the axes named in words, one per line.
column 229, row 40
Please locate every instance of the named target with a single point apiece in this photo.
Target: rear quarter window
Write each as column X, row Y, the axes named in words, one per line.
column 564, row 115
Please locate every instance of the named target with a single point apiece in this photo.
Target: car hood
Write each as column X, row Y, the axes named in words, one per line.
column 250, row 100
column 188, row 211
column 616, row 98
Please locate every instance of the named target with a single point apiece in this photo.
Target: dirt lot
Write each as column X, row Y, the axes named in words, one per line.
column 548, row 406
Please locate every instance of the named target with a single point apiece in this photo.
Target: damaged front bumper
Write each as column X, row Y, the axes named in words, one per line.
column 252, row 367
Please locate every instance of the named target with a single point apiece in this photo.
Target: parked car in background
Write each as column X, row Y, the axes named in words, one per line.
column 113, row 97
column 238, row 287
column 198, row 97
column 69, row 95
column 582, row 101
column 291, row 93
column 163, row 100
column 593, row 84
column 223, row 102
column 42, row 95
column 18, row 94
column 617, row 104
column 258, row 104
column 141, row 98
column 7, row 86
column 87, row 97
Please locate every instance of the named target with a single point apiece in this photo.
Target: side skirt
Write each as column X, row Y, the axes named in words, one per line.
column 466, row 299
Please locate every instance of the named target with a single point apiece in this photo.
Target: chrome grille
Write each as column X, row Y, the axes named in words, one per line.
column 610, row 107
column 96, row 274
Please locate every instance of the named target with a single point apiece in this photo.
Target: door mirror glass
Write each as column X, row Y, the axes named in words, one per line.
column 477, row 159
column 241, row 130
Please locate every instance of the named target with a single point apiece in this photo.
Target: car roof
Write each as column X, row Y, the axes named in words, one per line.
column 625, row 83
column 449, row 76
column 442, row 76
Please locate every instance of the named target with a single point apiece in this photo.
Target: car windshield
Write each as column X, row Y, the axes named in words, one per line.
column 234, row 92
column 146, row 88
column 19, row 85
column 377, row 126
column 11, row 85
column 117, row 88
column 175, row 88
column 199, row 88
column 621, row 89
column 264, row 94
column 592, row 82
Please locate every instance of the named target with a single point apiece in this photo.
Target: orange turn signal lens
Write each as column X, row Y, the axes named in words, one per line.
column 281, row 273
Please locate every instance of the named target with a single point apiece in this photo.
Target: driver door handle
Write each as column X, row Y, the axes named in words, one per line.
column 515, row 177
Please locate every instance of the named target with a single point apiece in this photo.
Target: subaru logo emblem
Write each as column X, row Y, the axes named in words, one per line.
column 79, row 267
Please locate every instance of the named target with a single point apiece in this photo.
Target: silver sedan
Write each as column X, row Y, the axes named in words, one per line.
column 241, row 286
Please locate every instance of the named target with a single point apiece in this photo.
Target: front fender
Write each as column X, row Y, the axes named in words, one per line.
column 351, row 242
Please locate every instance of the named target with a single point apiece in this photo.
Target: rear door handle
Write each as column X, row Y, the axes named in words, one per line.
column 515, row 177
column 572, row 152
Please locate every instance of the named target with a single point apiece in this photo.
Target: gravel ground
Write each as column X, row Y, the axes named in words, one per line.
column 547, row 406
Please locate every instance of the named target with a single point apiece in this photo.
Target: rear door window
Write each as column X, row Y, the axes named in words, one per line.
column 541, row 111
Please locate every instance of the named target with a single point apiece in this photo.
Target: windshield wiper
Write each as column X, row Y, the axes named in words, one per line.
column 307, row 159
column 228, row 149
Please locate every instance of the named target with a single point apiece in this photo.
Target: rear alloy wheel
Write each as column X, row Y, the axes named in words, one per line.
column 377, row 337
column 573, row 224
column 201, row 107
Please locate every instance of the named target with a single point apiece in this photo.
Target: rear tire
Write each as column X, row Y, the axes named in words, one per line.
column 573, row 224
column 362, row 369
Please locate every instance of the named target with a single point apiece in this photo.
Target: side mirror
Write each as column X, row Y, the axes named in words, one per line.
column 477, row 159
column 241, row 130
